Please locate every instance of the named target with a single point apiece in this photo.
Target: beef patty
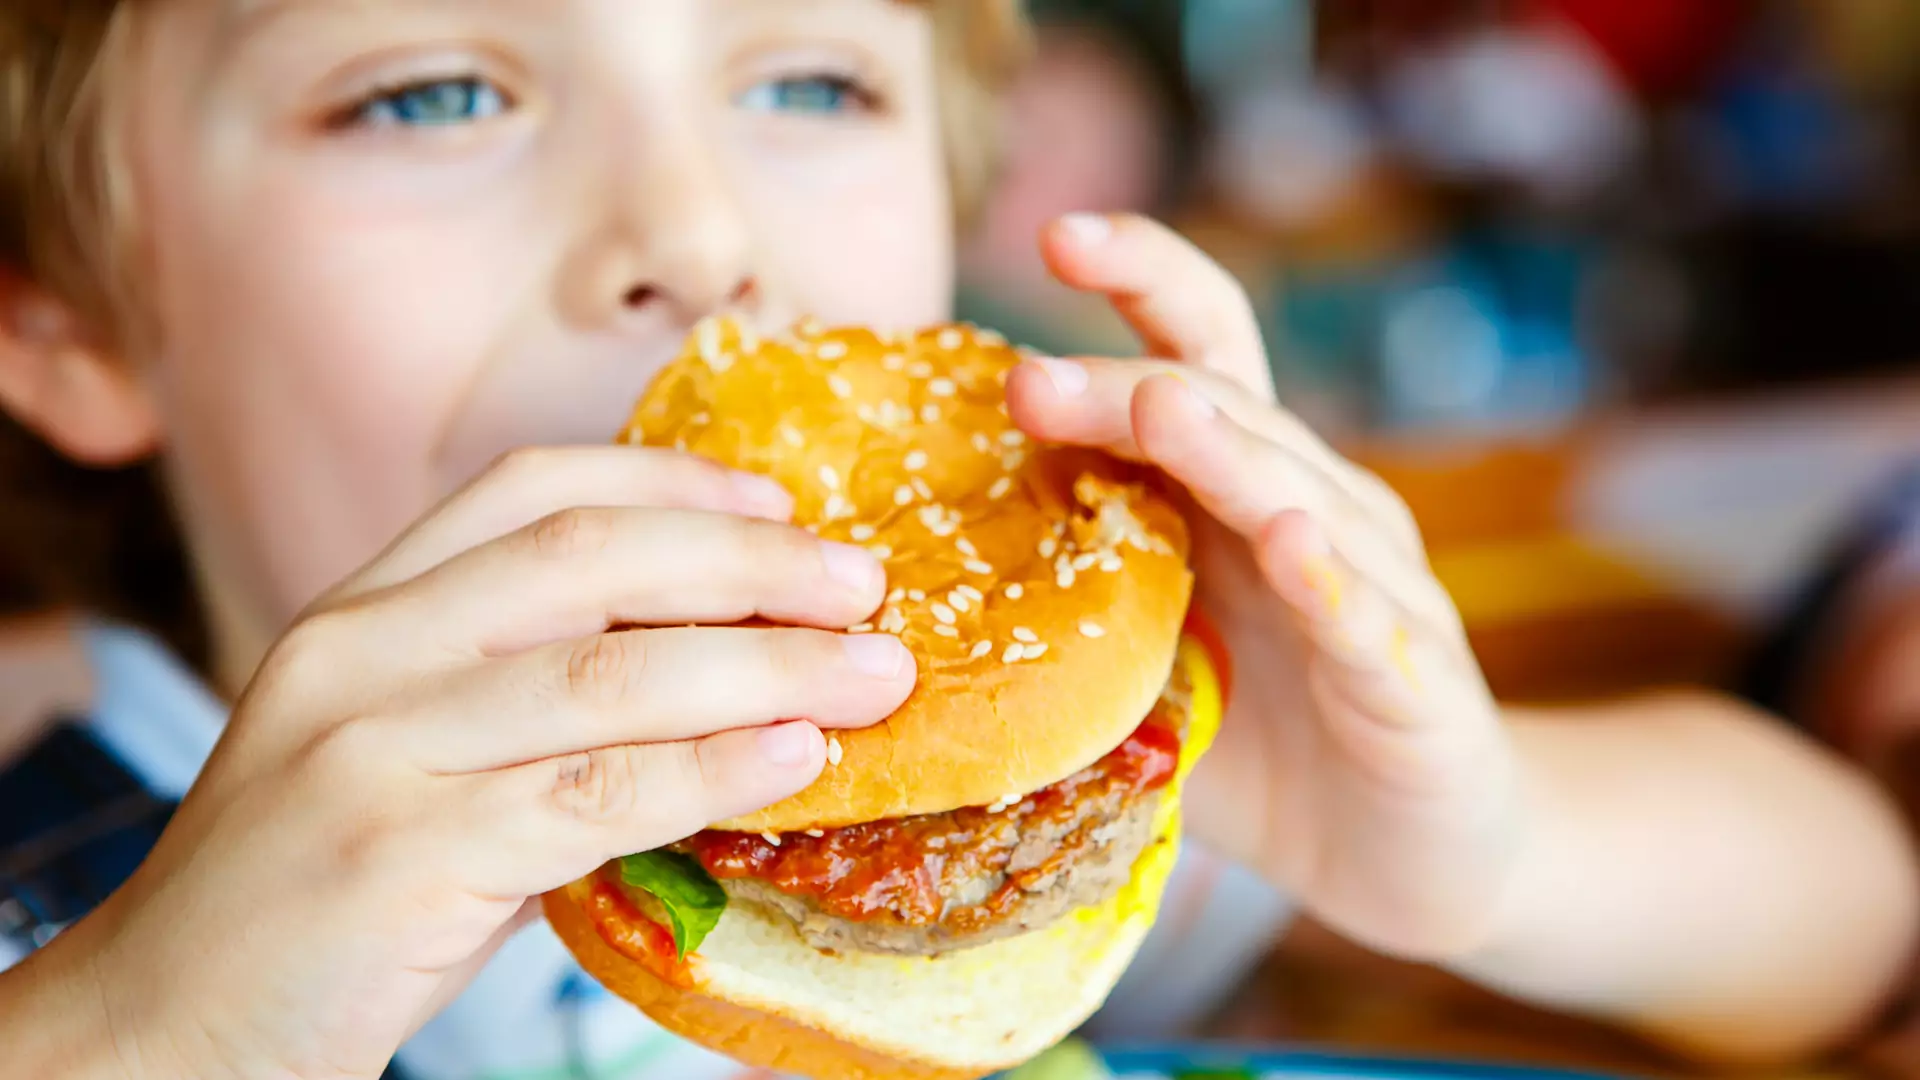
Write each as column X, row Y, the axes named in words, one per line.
column 938, row 883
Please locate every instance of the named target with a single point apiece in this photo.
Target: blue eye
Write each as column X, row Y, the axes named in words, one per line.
column 809, row 93
column 438, row 103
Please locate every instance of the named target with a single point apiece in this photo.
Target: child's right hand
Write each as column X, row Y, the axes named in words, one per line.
column 462, row 727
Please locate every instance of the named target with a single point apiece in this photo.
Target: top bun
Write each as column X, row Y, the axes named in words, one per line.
column 1042, row 590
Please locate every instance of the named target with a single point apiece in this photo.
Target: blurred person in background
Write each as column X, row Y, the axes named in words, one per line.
column 1103, row 120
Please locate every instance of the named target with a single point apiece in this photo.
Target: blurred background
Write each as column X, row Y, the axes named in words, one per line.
column 1622, row 295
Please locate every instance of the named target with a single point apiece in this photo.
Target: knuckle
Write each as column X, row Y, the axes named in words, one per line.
column 570, row 532
column 795, row 657
column 606, row 667
column 311, row 654
column 522, row 465
column 599, row 786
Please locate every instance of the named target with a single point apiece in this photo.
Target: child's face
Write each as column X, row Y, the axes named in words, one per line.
column 390, row 240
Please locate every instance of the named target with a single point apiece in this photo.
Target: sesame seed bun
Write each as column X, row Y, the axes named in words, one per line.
column 1041, row 589
column 758, row 993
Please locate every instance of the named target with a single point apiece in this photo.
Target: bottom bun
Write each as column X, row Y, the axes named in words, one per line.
column 761, row 995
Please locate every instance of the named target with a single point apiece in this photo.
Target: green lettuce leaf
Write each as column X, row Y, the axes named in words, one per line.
column 693, row 901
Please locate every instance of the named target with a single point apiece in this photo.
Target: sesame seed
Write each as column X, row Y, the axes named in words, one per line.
column 1024, row 636
column 982, row 443
column 942, row 388
column 862, row 533
column 792, row 437
column 1000, row 488
column 959, row 601
column 881, row 552
column 902, row 495
column 1083, row 563
column 944, row 613
column 709, row 339
column 977, row 566
column 971, row 593
column 893, row 362
column 943, row 529
column 834, row 751
column 966, row 548
column 1016, row 590
column 830, row 478
column 860, row 628
column 951, row 339
column 989, row 338
column 833, row 350
column 930, row 516
column 981, row 649
column 916, row 460
column 946, row 631
column 930, row 414
column 1064, row 578
column 920, row 488
column 918, row 596
column 893, row 622
column 701, row 418
column 920, row 369
column 816, row 833
column 1092, row 630
column 1013, row 437
column 1048, row 546
column 865, row 412
column 721, row 362
column 1013, row 654
column 1111, row 564
column 896, row 596
column 838, row 507
column 771, row 838
column 1035, row 652
column 1012, row 460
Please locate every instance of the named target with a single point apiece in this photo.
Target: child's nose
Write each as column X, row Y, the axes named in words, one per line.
column 668, row 257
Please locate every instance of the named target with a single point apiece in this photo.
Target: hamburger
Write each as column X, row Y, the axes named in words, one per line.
column 965, row 882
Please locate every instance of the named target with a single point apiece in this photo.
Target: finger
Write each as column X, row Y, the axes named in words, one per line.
column 1248, row 483
column 580, row 572
column 652, row 686
column 1378, row 657
column 1184, row 305
column 552, row 822
column 1246, row 467
column 531, row 484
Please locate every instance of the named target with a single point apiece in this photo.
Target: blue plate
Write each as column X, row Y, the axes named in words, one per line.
column 1247, row 1063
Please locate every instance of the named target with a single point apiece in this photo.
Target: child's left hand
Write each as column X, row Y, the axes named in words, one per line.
column 1363, row 765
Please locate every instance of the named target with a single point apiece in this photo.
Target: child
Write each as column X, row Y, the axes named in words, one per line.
column 352, row 253
column 409, row 238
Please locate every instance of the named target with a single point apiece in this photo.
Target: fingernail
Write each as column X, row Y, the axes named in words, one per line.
column 1197, row 402
column 764, row 494
column 850, row 566
column 788, row 746
column 880, row 656
column 1088, row 230
column 1069, row 379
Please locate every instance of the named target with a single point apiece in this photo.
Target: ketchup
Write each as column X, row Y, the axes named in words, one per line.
column 895, row 869
column 624, row 927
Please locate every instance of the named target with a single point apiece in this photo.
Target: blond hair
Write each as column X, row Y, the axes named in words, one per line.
column 100, row 540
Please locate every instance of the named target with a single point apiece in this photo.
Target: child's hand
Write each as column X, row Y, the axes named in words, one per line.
column 462, row 727
column 1363, row 765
